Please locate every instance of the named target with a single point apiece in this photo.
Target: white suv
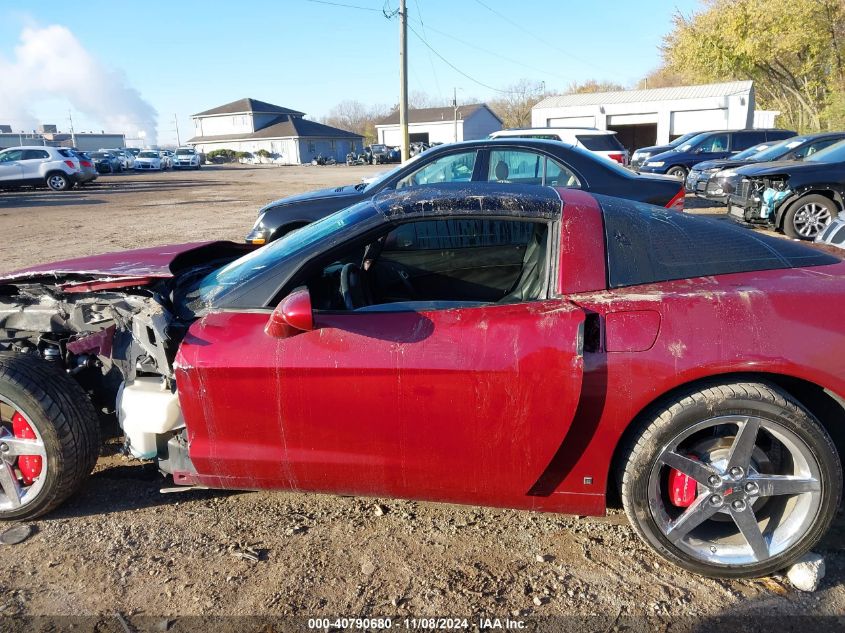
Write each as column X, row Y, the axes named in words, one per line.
column 600, row 142
column 186, row 157
column 55, row 167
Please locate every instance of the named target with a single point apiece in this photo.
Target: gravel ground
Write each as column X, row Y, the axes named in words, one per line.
column 121, row 546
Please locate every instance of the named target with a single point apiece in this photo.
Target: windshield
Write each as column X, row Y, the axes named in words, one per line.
column 381, row 178
column 267, row 257
column 751, row 151
column 832, row 154
column 691, row 143
column 778, row 149
column 148, row 155
column 184, row 152
column 683, row 139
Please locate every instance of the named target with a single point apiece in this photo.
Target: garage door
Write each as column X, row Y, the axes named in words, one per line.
column 695, row 120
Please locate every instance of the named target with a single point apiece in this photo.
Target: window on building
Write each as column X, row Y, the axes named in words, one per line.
column 312, row 146
column 333, row 145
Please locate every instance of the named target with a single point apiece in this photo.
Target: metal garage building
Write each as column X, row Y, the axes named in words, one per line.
column 440, row 125
column 656, row 116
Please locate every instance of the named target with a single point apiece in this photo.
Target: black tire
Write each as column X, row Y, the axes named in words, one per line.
column 63, row 416
column 677, row 171
column 57, row 181
column 667, row 421
column 788, row 223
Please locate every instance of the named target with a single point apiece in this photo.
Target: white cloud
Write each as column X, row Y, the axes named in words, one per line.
column 50, row 62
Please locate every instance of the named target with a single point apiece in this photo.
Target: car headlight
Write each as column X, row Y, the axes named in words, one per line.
column 727, row 173
column 640, row 155
column 655, row 163
column 711, row 170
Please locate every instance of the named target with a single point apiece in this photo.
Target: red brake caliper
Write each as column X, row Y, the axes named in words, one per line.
column 683, row 489
column 29, row 465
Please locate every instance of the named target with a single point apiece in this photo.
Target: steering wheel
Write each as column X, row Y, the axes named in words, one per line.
column 352, row 286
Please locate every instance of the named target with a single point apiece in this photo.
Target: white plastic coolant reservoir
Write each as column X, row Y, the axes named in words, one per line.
column 146, row 408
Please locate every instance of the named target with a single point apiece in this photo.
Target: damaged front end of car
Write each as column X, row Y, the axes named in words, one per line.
column 759, row 200
column 117, row 335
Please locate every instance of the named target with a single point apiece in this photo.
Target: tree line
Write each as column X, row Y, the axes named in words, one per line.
column 794, row 50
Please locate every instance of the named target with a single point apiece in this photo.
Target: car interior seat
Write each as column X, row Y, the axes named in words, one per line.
column 502, row 171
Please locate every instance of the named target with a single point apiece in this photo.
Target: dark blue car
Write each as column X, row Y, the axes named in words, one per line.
column 708, row 146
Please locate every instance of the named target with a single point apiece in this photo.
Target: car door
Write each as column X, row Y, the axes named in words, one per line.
column 461, row 166
column 10, row 166
column 741, row 141
column 31, row 162
column 459, row 403
column 713, row 147
column 524, row 167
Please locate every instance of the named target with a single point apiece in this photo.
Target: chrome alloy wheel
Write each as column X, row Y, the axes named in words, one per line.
column 811, row 219
column 758, row 490
column 16, row 489
column 56, row 182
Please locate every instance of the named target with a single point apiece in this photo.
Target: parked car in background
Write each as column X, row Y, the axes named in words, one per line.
column 799, row 198
column 148, row 159
column 87, row 171
column 715, row 180
column 708, row 146
column 512, row 346
column 186, row 158
column 642, row 154
column 106, row 162
column 600, row 142
column 133, row 150
column 127, row 158
column 378, row 153
column 492, row 161
column 166, row 158
column 38, row 166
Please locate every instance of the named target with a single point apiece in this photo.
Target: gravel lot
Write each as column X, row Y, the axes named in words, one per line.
column 120, row 546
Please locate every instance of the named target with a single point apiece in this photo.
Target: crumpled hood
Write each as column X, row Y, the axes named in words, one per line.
column 333, row 192
column 144, row 263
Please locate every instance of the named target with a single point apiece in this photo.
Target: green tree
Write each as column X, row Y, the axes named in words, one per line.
column 792, row 49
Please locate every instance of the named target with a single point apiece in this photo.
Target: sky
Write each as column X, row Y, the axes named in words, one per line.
column 110, row 64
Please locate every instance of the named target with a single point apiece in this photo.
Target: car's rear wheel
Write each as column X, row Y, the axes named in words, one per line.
column 807, row 217
column 733, row 480
column 677, row 172
column 57, row 181
column 49, row 436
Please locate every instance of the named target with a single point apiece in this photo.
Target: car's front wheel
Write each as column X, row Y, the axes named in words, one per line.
column 732, row 480
column 57, row 181
column 807, row 217
column 677, row 172
column 49, row 436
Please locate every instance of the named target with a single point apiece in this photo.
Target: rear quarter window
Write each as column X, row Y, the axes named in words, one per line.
column 648, row 244
column 600, row 142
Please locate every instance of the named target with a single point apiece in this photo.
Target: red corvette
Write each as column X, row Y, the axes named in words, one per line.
column 518, row 347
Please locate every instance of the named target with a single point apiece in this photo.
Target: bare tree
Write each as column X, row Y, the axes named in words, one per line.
column 357, row 117
column 514, row 107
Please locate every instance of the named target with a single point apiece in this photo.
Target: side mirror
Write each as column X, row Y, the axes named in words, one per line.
column 293, row 314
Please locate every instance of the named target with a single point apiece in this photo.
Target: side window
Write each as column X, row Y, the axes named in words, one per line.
column 450, row 168
column 12, row 154
column 518, row 167
column 35, row 154
column 559, row 176
column 436, row 265
column 744, row 140
column 715, row 143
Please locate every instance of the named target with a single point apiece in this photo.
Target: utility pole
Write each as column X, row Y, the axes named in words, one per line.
column 176, row 121
column 455, row 107
column 403, row 79
column 72, row 136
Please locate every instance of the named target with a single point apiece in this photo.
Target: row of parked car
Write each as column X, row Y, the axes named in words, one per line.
column 62, row 168
column 793, row 183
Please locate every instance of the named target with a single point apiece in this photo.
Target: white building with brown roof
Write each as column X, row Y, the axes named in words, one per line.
column 250, row 125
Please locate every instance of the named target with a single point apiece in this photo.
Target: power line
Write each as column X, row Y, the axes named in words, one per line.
column 495, row 54
column 455, row 68
column 544, row 41
column 430, row 58
column 345, row 5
